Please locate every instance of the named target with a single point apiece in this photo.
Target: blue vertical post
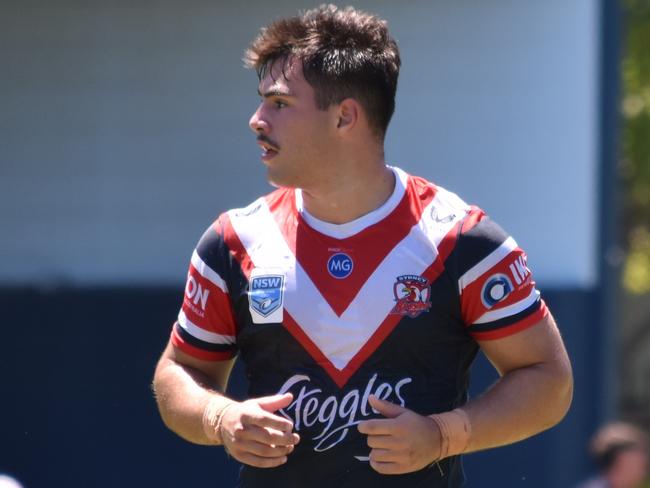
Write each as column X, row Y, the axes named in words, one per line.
column 609, row 250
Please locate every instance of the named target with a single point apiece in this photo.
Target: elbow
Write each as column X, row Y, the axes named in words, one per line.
column 568, row 392
column 562, row 393
column 167, row 419
column 167, row 410
column 162, row 401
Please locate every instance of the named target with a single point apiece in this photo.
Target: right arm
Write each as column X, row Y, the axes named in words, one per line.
column 251, row 432
column 183, row 386
column 192, row 374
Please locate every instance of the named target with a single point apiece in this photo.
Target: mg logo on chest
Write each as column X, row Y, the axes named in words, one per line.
column 340, row 265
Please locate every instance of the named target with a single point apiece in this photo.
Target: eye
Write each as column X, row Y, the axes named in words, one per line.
column 280, row 104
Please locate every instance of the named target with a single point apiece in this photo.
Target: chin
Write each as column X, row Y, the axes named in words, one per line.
column 280, row 179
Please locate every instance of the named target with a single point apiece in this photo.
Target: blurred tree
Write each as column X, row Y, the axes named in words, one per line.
column 635, row 162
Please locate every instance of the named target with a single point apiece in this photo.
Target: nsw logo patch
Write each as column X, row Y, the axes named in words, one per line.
column 412, row 295
column 265, row 297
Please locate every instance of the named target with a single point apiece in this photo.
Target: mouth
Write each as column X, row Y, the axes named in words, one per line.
column 269, row 150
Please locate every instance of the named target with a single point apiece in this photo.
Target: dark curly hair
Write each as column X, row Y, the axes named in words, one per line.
column 345, row 53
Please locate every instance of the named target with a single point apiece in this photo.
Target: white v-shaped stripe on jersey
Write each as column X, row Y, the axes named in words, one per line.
column 340, row 338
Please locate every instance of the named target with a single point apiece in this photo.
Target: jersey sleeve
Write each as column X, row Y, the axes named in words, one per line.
column 497, row 292
column 206, row 327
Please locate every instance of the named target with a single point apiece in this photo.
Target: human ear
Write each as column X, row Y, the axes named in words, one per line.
column 348, row 114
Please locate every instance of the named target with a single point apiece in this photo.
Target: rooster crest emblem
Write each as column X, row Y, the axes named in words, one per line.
column 412, row 295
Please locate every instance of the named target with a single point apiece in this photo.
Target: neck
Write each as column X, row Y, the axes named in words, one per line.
column 351, row 196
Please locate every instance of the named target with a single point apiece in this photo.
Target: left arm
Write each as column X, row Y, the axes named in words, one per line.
column 533, row 394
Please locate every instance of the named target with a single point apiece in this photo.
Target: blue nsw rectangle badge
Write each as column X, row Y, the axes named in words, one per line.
column 265, row 297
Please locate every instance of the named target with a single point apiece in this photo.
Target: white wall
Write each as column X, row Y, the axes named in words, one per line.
column 123, row 130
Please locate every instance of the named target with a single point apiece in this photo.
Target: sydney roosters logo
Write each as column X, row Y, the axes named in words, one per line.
column 412, row 295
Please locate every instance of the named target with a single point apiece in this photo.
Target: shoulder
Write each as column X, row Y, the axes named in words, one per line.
column 443, row 210
column 439, row 203
column 465, row 230
column 475, row 229
column 282, row 199
column 240, row 221
column 472, row 236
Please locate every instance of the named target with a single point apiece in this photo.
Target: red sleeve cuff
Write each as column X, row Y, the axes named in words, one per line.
column 197, row 353
column 511, row 329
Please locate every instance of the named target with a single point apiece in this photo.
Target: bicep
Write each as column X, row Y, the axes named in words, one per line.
column 538, row 344
column 215, row 372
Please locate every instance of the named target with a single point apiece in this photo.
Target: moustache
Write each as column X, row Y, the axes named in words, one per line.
column 268, row 141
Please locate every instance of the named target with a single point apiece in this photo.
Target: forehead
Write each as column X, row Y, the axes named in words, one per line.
column 285, row 75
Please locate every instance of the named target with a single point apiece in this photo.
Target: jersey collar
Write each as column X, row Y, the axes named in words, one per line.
column 343, row 231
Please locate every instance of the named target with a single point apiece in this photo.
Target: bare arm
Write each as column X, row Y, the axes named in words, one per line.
column 251, row 432
column 533, row 394
column 183, row 386
column 534, row 391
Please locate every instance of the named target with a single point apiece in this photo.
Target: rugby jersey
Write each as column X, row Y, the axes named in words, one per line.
column 391, row 304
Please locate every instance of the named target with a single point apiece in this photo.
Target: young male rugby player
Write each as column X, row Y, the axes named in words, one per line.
column 356, row 295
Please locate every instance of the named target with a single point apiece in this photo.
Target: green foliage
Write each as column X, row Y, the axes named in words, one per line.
column 635, row 162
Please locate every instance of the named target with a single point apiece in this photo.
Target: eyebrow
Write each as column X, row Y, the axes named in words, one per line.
column 275, row 93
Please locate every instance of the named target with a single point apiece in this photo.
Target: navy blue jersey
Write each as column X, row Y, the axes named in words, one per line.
column 391, row 304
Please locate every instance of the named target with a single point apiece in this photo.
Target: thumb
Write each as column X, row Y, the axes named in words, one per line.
column 387, row 409
column 274, row 402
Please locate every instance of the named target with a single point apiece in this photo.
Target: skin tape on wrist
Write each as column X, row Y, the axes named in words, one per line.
column 212, row 416
column 455, row 431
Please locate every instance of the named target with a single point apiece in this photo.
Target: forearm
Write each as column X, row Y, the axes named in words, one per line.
column 523, row 402
column 182, row 395
column 520, row 404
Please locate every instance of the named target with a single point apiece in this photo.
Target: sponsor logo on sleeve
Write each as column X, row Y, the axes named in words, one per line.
column 412, row 295
column 196, row 296
column 265, row 297
column 519, row 270
column 495, row 289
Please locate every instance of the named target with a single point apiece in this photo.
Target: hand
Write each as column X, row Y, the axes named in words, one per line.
column 254, row 435
column 402, row 442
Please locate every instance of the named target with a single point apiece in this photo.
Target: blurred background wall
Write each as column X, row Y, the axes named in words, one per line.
column 123, row 134
column 126, row 127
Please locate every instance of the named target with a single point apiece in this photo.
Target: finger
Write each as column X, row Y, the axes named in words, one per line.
column 268, row 420
column 386, row 468
column 270, row 436
column 275, row 402
column 263, row 450
column 280, row 438
column 376, row 427
column 387, row 409
column 385, row 455
column 382, row 442
column 260, row 462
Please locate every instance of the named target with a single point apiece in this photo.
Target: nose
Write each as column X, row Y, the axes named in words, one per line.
column 257, row 122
